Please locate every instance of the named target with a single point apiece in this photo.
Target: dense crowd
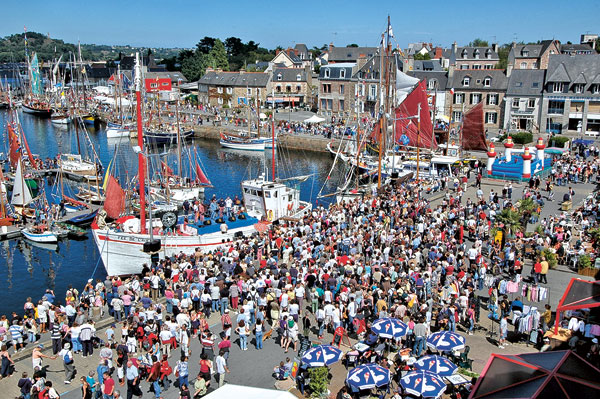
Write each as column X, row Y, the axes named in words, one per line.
column 391, row 255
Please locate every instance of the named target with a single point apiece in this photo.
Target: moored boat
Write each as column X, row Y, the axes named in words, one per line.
column 42, row 237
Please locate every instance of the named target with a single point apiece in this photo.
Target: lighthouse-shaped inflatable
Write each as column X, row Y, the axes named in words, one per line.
column 527, row 164
column 540, row 150
column 508, row 146
column 491, row 158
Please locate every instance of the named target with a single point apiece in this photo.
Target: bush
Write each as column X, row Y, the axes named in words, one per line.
column 550, row 258
column 558, row 141
column 585, row 262
column 522, row 138
column 319, row 380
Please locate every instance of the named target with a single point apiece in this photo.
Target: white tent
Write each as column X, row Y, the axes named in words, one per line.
column 314, row 119
column 102, row 89
column 229, row 391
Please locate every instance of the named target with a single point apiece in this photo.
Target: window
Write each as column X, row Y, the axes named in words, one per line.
column 535, row 65
column 466, row 81
column 464, row 66
column 578, row 88
column 488, row 54
column 487, row 82
column 525, row 53
column 298, row 77
column 220, row 100
column 431, row 84
column 491, row 118
column 492, row 99
column 515, row 102
column 323, row 103
column 523, row 65
column 557, row 87
column 488, row 66
column 341, row 105
column 279, row 77
column 229, row 90
column 464, row 54
column 164, row 84
column 457, row 116
column 595, row 89
column 326, row 88
column 531, row 103
column 298, row 88
column 326, row 73
column 219, row 90
column 519, row 84
column 556, row 107
column 153, row 85
column 278, row 88
column 459, row 98
column 475, row 98
column 248, row 92
column 476, row 54
column 535, row 84
column 288, row 89
column 341, row 89
column 373, row 92
column 342, row 73
column 476, row 66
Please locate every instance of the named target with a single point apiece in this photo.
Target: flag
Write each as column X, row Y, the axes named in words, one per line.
column 452, row 91
column 36, row 82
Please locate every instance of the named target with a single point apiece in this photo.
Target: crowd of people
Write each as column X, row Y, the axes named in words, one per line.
column 390, row 255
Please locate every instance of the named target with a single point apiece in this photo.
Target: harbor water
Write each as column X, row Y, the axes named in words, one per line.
column 28, row 269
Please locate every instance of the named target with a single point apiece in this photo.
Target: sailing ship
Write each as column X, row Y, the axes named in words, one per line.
column 135, row 241
column 35, row 103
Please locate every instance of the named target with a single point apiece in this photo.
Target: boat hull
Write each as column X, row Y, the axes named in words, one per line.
column 122, row 253
column 44, row 113
column 250, row 146
column 166, row 138
column 47, row 237
column 113, row 132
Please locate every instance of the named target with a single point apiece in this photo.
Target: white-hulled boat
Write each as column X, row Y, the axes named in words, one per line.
column 73, row 163
column 61, row 119
column 47, row 237
column 236, row 143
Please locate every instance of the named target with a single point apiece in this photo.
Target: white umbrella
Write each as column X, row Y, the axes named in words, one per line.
column 263, row 116
column 314, row 119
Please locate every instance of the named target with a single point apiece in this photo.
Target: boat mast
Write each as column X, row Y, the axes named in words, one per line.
column 140, row 138
column 418, row 139
column 273, row 139
column 385, row 100
column 180, row 167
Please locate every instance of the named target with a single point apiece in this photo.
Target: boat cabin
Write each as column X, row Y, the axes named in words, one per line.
column 268, row 199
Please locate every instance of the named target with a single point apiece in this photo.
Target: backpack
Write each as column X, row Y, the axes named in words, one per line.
column 43, row 394
column 67, row 359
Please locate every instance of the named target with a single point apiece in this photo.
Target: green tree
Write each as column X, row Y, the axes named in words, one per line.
column 419, row 56
column 193, row 68
column 234, row 46
column 503, row 55
column 219, row 55
column 479, row 43
column 205, row 45
column 597, row 45
column 510, row 219
column 352, row 45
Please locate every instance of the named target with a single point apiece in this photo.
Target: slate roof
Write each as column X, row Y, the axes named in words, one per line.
column 174, row 76
column 370, row 70
column 302, row 50
column 528, row 50
column 574, row 69
column 235, row 79
column 499, row 80
column 568, row 48
column 440, row 76
column 526, row 82
column 427, row 65
column 350, row 54
column 334, row 71
column 289, row 75
column 470, row 51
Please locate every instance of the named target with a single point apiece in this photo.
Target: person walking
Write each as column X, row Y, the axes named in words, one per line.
column 133, row 380
column 181, row 371
column 86, row 389
column 68, row 362
column 154, row 377
column 258, row 333
column 25, row 385
column 503, row 331
column 221, row 365
column 108, row 386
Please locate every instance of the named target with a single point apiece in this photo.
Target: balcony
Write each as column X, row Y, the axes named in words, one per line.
column 556, row 111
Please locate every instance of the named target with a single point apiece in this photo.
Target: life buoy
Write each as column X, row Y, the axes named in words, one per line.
column 270, row 215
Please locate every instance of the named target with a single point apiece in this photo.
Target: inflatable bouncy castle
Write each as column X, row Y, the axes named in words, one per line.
column 519, row 165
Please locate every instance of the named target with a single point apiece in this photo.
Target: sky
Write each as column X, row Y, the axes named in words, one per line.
column 182, row 23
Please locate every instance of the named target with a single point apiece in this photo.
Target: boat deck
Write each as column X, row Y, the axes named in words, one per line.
column 216, row 227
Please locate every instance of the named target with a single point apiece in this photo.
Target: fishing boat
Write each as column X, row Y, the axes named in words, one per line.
column 60, row 119
column 114, row 130
column 41, row 109
column 240, row 143
column 83, row 220
column 129, row 242
column 75, row 164
column 47, row 237
column 161, row 137
column 88, row 119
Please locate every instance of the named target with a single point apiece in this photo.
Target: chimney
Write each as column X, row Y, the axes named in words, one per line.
column 495, row 47
column 331, row 46
column 438, row 53
column 361, row 61
column 450, row 72
column 454, row 48
column 509, row 68
column 277, row 52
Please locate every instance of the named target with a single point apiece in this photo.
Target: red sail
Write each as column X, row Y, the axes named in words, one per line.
column 473, row 132
column 114, row 204
column 14, row 146
column 201, row 176
column 409, row 108
column 166, row 170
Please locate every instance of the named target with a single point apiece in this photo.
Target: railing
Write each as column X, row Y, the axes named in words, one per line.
column 558, row 111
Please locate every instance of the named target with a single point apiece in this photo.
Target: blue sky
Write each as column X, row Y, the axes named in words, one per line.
column 180, row 23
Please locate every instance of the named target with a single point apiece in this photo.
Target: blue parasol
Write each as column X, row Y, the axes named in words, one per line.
column 368, row 376
column 424, row 384
column 436, row 364
column 322, row 355
column 389, row 328
column 446, row 341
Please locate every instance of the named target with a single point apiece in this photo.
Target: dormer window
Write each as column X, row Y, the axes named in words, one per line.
column 431, row 84
column 466, row 81
column 557, row 87
column 464, row 54
column 476, row 54
column 279, row 77
column 488, row 54
column 298, row 77
column 487, row 82
column 578, row 88
column 342, row 73
column 326, row 73
column 595, row 89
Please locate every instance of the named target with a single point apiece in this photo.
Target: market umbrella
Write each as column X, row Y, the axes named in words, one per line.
column 389, row 327
column 436, row 364
column 423, row 383
column 446, row 341
column 368, row 376
column 322, row 355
